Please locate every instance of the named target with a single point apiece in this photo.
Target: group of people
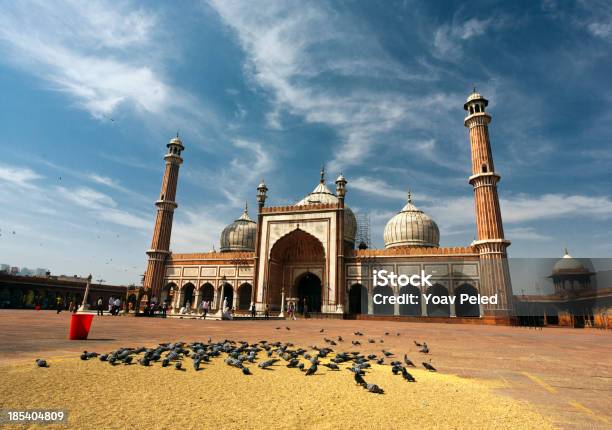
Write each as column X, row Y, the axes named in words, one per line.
column 114, row 306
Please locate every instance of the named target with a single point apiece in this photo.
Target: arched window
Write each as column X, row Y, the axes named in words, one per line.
column 477, row 107
column 484, row 168
column 471, row 110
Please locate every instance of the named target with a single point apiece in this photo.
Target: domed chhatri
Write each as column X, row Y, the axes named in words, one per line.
column 411, row 227
column 239, row 235
column 322, row 195
column 568, row 265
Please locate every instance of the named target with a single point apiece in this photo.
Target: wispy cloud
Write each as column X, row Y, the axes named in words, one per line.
column 289, row 58
column 103, row 55
column 22, row 177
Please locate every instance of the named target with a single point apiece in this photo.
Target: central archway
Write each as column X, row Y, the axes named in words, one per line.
column 309, row 292
column 296, row 252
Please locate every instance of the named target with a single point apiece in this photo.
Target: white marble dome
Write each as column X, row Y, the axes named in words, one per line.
column 322, row 195
column 239, row 235
column 411, row 227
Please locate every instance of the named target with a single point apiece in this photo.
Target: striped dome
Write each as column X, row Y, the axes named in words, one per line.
column 411, row 227
column 239, row 235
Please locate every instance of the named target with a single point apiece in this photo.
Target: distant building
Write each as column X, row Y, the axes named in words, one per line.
column 32, row 291
column 581, row 296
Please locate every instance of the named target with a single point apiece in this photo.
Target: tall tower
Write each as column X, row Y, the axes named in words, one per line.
column 491, row 244
column 160, row 245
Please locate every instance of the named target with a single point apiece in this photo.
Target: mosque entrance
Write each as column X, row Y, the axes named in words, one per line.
column 309, row 293
column 296, row 252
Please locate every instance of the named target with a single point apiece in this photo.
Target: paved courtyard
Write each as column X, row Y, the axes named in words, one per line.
column 565, row 374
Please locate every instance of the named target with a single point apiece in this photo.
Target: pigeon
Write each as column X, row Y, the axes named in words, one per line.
column 312, row 369
column 246, row 371
column 277, row 328
column 407, row 376
column 395, row 370
column 128, row 360
column 417, row 343
column 387, row 353
column 196, row 365
column 301, row 366
column 84, row 356
column 103, row 357
column 332, row 366
column 178, row 365
column 386, row 333
column 359, row 379
column 356, row 342
column 41, row 363
column 293, row 362
column 373, row 388
column 408, row 361
column 165, row 362
column 371, row 340
column 340, row 339
column 429, row 367
column 358, row 333
column 322, row 330
column 287, row 328
column 425, row 349
column 380, row 361
column 268, row 363
column 144, row 361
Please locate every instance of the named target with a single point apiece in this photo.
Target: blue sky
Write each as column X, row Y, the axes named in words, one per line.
column 92, row 91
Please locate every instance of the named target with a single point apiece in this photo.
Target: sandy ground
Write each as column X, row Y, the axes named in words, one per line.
column 504, row 377
column 218, row 396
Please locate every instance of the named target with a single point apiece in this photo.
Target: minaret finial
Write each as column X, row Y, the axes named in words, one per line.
column 409, row 195
column 566, row 251
column 474, row 88
column 246, row 207
column 323, row 173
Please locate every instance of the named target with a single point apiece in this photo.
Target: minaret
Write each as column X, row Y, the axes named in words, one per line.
column 491, row 244
column 160, row 245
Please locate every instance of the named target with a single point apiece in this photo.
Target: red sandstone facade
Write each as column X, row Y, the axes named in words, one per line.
column 304, row 254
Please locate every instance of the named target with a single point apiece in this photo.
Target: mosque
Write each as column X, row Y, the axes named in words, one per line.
column 305, row 254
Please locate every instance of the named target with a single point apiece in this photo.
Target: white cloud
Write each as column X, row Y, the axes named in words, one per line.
column 381, row 188
column 449, row 38
column 103, row 55
column 21, row 177
column 525, row 233
column 288, row 46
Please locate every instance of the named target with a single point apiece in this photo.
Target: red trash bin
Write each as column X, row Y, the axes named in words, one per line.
column 79, row 326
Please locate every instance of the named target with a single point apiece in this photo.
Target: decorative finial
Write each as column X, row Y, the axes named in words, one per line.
column 474, row 88
column 409, row 196
column 177, row 134
column 323, row 174
column 566, row 252
column 246, row 207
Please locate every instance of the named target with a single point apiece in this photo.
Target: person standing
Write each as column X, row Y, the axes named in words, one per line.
column 165, row 308
column 205, row 305
column 111, row 303
column 267, row 312
column 58, row 304
column 99, row 305
column 253, row 311
column 116, row 306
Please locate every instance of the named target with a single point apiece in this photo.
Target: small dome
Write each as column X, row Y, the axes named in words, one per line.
column 239, row 235
column 322, row 195
column 568, row 264
column 473, row 97
column 411, row 227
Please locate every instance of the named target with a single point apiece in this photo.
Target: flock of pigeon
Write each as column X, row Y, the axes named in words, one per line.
column 264, row 355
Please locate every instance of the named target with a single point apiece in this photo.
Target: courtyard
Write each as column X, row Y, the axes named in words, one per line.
column 488, row 376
